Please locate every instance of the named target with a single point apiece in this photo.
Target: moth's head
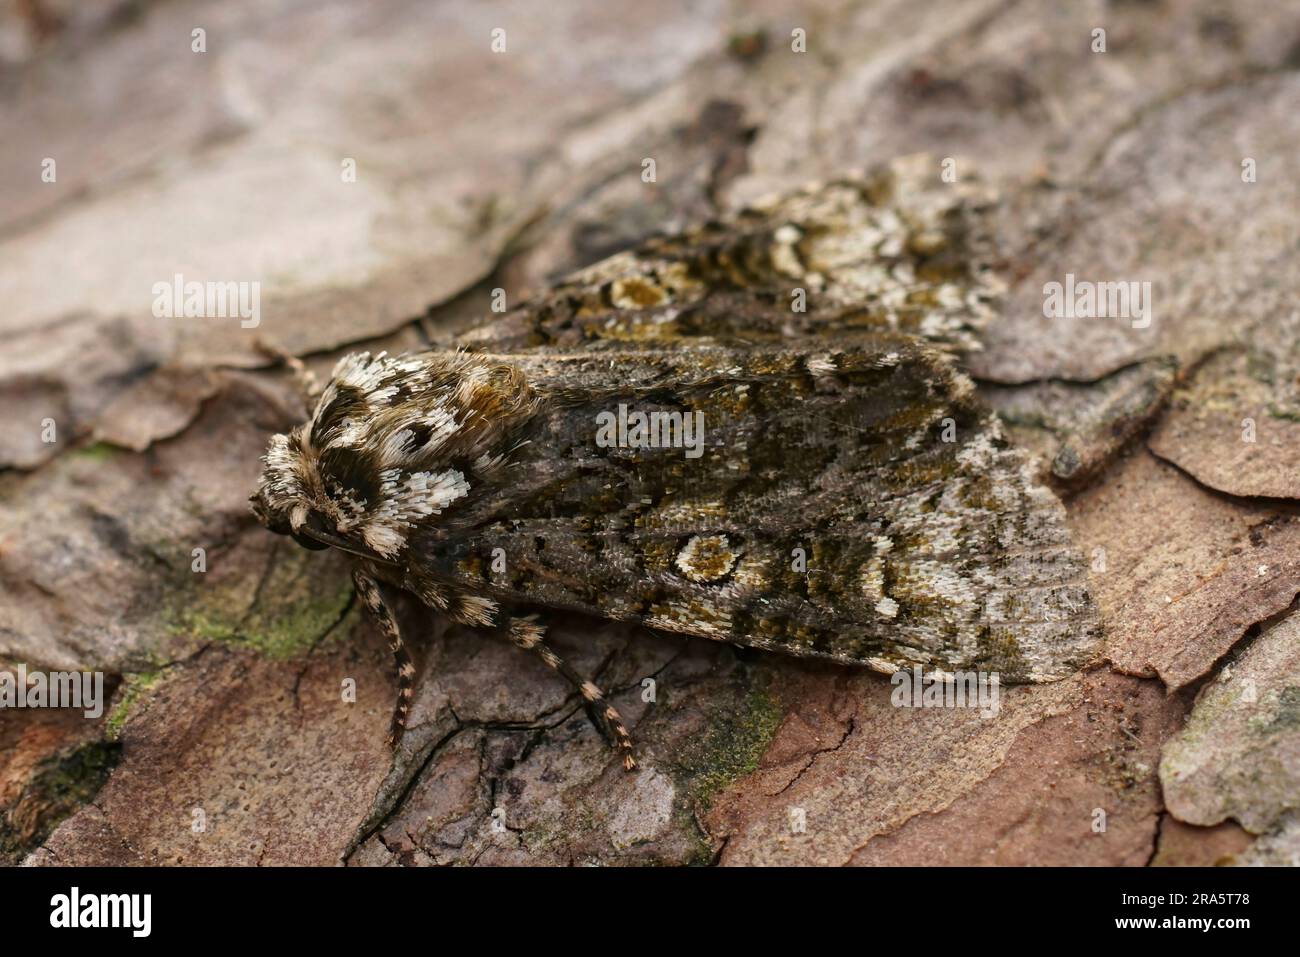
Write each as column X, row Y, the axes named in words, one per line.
column 393, row 444
column 289, row 499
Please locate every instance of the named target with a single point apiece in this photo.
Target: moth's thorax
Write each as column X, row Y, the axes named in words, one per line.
column 393, row 443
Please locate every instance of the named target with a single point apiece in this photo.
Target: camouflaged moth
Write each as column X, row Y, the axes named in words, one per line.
column 852, row 499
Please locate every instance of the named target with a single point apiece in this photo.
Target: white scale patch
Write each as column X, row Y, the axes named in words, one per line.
column 707, row 558
column 821, row 365
column 420, row 495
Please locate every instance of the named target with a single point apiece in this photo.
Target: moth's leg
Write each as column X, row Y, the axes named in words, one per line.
column 306, row 380
column 368, row 589
column 528, row 634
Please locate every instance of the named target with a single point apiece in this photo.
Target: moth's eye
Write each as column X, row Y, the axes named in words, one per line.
column 306, row 542
column 313, row 530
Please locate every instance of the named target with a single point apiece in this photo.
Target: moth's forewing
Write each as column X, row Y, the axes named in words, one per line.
column 856, row 505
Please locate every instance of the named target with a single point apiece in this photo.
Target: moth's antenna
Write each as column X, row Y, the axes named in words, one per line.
column 325, row 538
column 308, row 385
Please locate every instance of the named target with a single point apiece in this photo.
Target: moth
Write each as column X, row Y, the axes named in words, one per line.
column 849, row 498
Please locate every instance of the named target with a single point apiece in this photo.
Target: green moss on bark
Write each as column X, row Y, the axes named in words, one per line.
column 301, row 598
column 734, row 744
column 61, row 784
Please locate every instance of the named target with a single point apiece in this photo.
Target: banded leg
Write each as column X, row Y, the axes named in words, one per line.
column 368, row 589
column 528, row 635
